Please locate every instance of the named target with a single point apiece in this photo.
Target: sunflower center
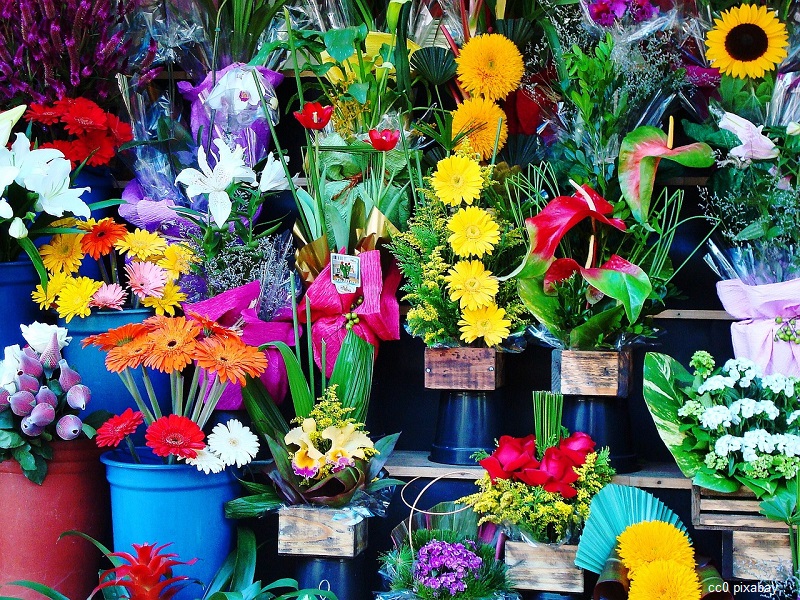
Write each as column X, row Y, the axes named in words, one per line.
column 473, row 232
column 746, row 42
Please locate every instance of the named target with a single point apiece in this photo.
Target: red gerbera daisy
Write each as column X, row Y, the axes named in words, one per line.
column 113, row 431
column 98, row 147
column 40, row 113
column 121, row 130
column 83, row 116
column 175, row 435
column 72, row 150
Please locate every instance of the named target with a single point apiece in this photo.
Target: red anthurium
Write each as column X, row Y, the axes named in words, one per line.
column 384, row 140
column 314, row 115
column 512, row 455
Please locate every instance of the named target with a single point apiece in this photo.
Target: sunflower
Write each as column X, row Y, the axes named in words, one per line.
column 63, row 253
column 490, row 65
column 645, row 542
column 118, row 336
column 665, row 580
column 101, row 236
column 74, row 298
column 168, row 302
column 141, row 244
column 488, row 322
column 130, row 355
column 457, row 179
column 474, row 232
column 747, row 41
column 55, row 282
column 177, row 260
column 478, row 119
column 173, row 345
column 471, row 284
column 230, row 359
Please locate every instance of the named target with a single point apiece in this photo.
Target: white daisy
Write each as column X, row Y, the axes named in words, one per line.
column 233, row 443
column 207, row 462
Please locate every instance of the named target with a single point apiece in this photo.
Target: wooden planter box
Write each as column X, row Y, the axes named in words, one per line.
column 545, row 568
column 320, row 531
column 473, row 369
column 758, row 556
column 591, row 372
column 735, row 511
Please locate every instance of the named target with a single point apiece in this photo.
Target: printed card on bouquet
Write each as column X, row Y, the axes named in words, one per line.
column 345, row 273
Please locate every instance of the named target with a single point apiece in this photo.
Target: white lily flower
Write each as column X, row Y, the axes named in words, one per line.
column 17, row 229
column 754, row 144
column 38, row 335
column 8, row 119
column 230, row 169
column 51, row 182
column 273, row 177
column 793, row 128
column 29, row 163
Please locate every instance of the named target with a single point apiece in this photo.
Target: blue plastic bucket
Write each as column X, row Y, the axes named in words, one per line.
column 17, row 280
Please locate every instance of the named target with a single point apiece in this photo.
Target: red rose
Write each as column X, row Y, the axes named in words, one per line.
column 577, row 446
column 512, row 455
column 555, row 473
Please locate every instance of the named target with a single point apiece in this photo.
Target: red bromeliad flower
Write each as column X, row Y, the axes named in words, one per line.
column 314, row 115
column 384, row 140
column 118, row 427
column 147, row 576
column 176, row 435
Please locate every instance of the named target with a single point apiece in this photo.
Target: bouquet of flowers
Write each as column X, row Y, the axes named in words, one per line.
column 170, row 345
column 40, row 398
column 149, row 276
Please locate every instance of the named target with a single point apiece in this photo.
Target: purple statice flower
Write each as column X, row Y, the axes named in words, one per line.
column 642, row 10
column 445, row 567
column 606, row 12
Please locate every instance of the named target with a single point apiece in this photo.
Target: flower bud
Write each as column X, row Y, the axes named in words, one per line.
column 30, row 365
column 51, row 355
column 68, row 377
column 46, row 396
column 68, row 427
column 30, row 428
column 22, row 403
column 17, row 229
column 26, row 383
column 42, row 415
column 78, row 396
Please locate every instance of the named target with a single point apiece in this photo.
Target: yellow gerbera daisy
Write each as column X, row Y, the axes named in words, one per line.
column 457, row 179
column 471, row 284
column 474, row 232
column 73, row 299
column 488, row 322
column 479, row 118
column 172, row 298
column 63, row 253
column 177, row 260
column 649, row 541
column 490, row 65
column 665, row 580
column 55, row 283
column 142, row 244
column 747, row 41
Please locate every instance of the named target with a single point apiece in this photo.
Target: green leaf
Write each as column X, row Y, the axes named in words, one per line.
column 266, row 417
column 434, row 64
column 715, row 482
column 42, row 589
column 585, row 335
column 631, row 288
column 298, row 384
column 352, row 373
column 249, row 507
column 245, row 570
column 23, row 456
column 37, row 474
column 6, row 421
column 341, row 43
column 10, row 439
column 359, row 91
column 781, row 507
column 385, row 447
column 711, row 581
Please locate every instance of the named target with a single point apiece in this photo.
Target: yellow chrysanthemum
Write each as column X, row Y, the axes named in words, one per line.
column 488, row 322
column 471, row 285
column 665, row 580
column 474, row 232
column 142, row 244
column 177, row 260
column 747, row 41
column 479, row 118
column 63, row 253
column 490, row 65
column 172, row 298
column 457, row 179
column 649, row 541
column 73, row 299
column 55, row 283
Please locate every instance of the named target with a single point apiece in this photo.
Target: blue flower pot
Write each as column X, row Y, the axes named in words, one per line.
column 468, row 422
column 17, row 280
column 108, row 391
column 172, row 504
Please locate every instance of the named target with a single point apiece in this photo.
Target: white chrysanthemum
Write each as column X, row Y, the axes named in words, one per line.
column 778, row 384
column 758, row 438
column 233, row 443
column 792, row 417
column 714, row 416
column 742, row 369
column 767, row 407
column 207, row 462
column 745, row 407
column 727, row 444
column 787, row 444
column 717, row 383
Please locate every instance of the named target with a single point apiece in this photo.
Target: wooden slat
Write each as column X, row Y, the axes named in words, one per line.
column 463, row 369
column 722, row 505
column 737, row 510
column 761, row 556
column 590, row 373
column 317, row 531
column 545, row 567
column 694, row 315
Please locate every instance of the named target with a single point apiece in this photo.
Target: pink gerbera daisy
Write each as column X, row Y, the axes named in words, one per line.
column 110, row 295
column 146, row 279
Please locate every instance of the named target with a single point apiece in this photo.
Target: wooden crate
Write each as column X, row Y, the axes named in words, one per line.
column 479, row 369
column 735, row 511
column 546, row 568
column 590, row 372
column 320, row 531
column 759, row 556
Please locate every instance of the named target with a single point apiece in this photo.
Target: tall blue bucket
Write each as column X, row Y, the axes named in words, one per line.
column 17, row 280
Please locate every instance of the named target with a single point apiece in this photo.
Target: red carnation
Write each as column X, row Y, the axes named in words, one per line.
column 39, row 113
column 118, row 427
column 83, row 116
column 314, row 115
column 384, row 140
column 175, row 435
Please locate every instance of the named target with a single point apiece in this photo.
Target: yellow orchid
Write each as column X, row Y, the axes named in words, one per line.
column 347, row 444
column 306, row 461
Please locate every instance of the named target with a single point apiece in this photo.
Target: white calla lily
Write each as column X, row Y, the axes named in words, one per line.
column 8, row 119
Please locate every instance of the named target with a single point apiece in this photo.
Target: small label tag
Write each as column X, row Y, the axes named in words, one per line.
column 345, row 273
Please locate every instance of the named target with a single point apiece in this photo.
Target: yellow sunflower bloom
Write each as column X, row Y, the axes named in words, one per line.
column 747, row 41
column 457, row 179
column 665, row 580
column 475, row 233
column 479, row 118
column 169, row 301
column 63, row 253
column 649, row 541
column 490, row 65
column 471, row 284
column 142, row 244
column 55, row 283
column 487, row 322
column 177, row 260
column 73, row 299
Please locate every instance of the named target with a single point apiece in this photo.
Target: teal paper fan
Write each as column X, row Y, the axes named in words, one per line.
column 613, row 509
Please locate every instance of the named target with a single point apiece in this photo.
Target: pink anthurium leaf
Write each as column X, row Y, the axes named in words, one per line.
column 640, row 152
column 623, row 281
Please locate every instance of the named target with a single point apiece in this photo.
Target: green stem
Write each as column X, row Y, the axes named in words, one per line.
column 310, row 347
column 192, row 388
column 213, row 398
column 132, row 450
column 151, row 394
column 127, row 379
column 194, row 404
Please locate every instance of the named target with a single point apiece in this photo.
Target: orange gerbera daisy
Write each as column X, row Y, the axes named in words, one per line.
column 210, row 327
column 173, row 345
column 130, row 355
column 101, row 237
column 230, row 359
column 115, row 337
column 155, row 322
